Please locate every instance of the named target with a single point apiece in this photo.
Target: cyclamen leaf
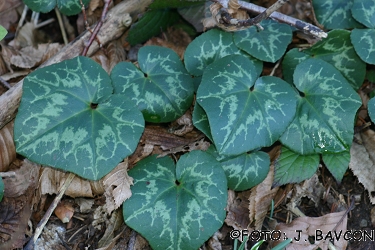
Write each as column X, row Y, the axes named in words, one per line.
column 244, row 112
column 243, row 171
column 161, row 88
column 267, row 45
column 335, row 14
column 371, row 108
column 69, row 119
column 67, row 7
column 325, row 114
column 291, row 167
column 209, row 47
column 364, row 12
column 364, row 45
column 200, row 120
column 337, row 50
column 337, row 164
column 177, row 207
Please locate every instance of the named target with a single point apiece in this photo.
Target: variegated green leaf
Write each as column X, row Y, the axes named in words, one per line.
column 3, row 32
column 67, row 7
column 177, row 207
column 292, row 58
column 371, row 109
column 200, row 120
column 364, row 12
column 243, row 171
column 335, row 14
column 69, row 119
column 244, row 112
column 326, row 109
column 364, row 44
column 209, row 47
column 291, row 167
column 161, row 88
column 337, row 164
column 268, row 44
column 337, row 50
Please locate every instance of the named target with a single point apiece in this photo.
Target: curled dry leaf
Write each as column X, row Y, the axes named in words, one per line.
column 26, row 177
column 301, row 228
column 311, row 188
column 237, row 208
column 7, row 148
column 32, row 56
column 14, row 214
column 261, row 198
column 112, row 225
column 116, row 53
column 117, row 186
column 64, row 211
column 8, row 10
column 362, row 161
column 51, row 181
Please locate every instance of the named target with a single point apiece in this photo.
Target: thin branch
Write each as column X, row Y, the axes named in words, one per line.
column 270, row 12
column 62, row 28
column 31, row 244
column 97, row 27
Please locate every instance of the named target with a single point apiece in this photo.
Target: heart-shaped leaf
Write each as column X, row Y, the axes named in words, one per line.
column 371, row 109
column 325, row 113
column 335, row 14
column 268, row 44
column 364, row 45
column 177, row 207
column 69, row 119
column 291, row 167
column 67, row 7
column 337, row 50
column 337, row 164
column 200, row 120
column 364, row 12
column 209, row 47
column 243, row 171
column 244, row 112
column 161, row 88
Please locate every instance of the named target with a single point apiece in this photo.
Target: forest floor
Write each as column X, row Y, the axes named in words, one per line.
column 30, row 189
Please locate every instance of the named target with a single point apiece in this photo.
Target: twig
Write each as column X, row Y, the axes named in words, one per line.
column 97, row 27
column 62, row 28
column 264, row 13
column 5, row 83
column 30, row 245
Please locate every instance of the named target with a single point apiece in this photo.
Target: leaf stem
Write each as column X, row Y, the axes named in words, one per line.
column 31, row 244
column 97, row 27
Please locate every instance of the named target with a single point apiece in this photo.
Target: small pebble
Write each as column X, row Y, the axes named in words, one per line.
column 363, row 223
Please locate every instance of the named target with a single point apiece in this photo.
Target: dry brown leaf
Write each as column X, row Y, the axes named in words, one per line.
column 362, row 161
column 7, row 148
column 116, row 53
column 311, row 188
column 64, row 211
column 214, row 242
column 112, row 225
column 8, row 12
column 237, row 210
column 26, row 176
column 261, row 198
column 101, row 58
column 117, row 186
column 84, row 204
column 52, row 179
column 14, row 214
column 32, row 56
column 319, row 227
